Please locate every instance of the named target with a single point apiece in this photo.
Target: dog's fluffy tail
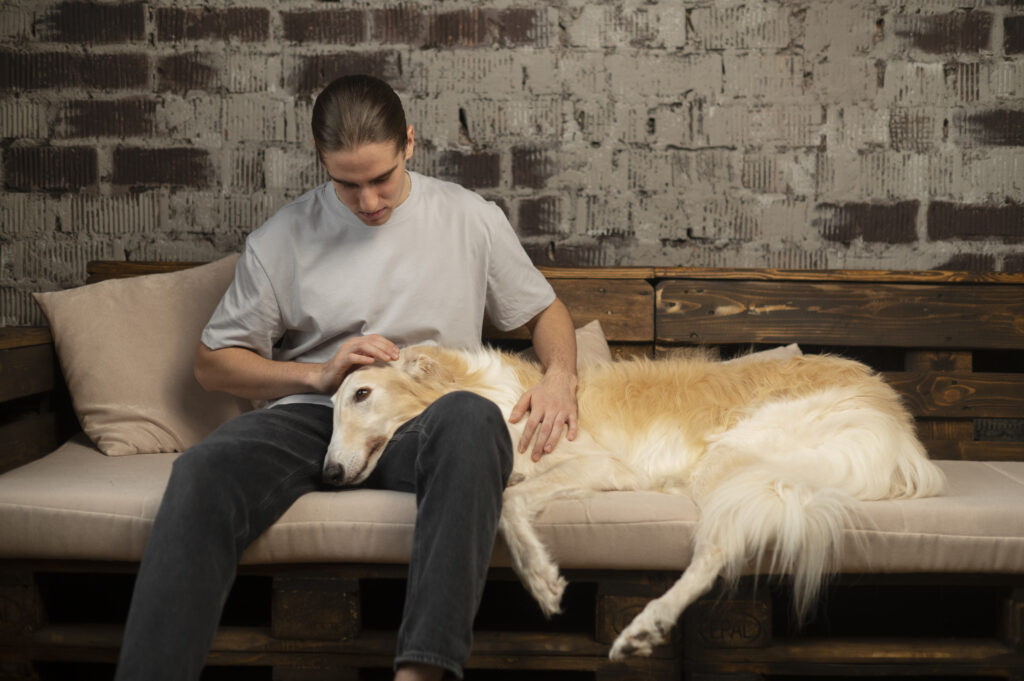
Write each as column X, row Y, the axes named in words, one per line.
column 775, row 522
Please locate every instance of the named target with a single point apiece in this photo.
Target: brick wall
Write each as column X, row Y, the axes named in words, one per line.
column 781, row 133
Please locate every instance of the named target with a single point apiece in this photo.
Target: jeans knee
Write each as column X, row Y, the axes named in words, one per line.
column 475, row 421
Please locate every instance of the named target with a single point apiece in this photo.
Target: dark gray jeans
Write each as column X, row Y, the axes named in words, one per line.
column 225, row 491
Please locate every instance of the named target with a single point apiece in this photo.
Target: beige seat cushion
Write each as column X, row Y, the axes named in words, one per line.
column 78, row 504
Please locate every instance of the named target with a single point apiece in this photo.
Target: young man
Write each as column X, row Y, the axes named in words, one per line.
column 376, row 258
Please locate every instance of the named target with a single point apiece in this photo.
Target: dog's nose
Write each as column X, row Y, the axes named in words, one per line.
column 334, row 474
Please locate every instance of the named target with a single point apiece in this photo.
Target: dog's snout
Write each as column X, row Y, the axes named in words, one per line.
column 334, row 474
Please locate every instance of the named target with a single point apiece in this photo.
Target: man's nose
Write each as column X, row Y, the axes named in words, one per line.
column 369, row 201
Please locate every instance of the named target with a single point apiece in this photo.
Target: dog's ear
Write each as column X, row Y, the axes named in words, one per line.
column 422, row 367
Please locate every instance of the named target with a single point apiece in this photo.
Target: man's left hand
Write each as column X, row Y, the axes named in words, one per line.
column 552, row 409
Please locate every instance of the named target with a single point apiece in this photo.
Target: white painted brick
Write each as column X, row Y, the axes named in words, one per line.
column 857, row 127
column 844, row 81
column 249, row 72
column 914, row 83
column 668, row 76
column 19, row 308
column 435, row 119
column 25, row 214
column 246, row 213
column 244, row 172
column 196, row 120
column 292, row 169
column 744, row 25
column 495, row 73
column 24, row 118
column 257, row 118
column 842, row 28
column 497, row 121
column 115, row 215
column 609, row 26
column 1006, row 79
column 757, row 76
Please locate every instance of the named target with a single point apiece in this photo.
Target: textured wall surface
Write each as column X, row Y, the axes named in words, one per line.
column 765, row 133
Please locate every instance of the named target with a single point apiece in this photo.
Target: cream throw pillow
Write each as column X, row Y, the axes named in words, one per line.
column 591, row 346
column 126, row 347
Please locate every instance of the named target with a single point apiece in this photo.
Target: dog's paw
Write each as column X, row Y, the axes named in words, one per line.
column 640, row 638
column 547, row 588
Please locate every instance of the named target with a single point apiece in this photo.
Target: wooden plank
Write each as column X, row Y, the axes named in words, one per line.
column 24, row 336
column 101, row 270
column 844, row 314
column 27, row 439
column 976, row 450
column 862, row 650
column 623, row 306
column 866, row 276
column 598, row 272
column 26, row 371
column 935, row 394
column 320, row 607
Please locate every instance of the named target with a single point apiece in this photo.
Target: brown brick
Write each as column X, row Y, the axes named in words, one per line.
column 481, row 27
column 911, row 130
column 108, row 118
column 90, row 22
column 1013, row 34
column 999, row 127
column 42, row 70
column 538, row 217
column 890, row 223
column 472, row 170
column 531, row 167
column 179, row 167
column 962, row 32
column 399, row 25
column 247, row 24
column 183, row 72
column 975, row 222
column 50, row 169
column 314, row 72
column 340, row 26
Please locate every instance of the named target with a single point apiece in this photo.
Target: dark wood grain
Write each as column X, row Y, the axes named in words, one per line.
column 854, row 314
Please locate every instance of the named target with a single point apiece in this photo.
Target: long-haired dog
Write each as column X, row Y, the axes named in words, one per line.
column 772, row 452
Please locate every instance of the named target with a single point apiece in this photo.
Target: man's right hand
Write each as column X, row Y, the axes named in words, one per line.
column 353, row 353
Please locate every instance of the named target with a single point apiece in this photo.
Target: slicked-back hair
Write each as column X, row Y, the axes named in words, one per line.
column 356, row 110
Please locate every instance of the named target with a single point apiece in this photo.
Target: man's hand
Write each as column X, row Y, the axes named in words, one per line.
column 354, row 352
column 552, row 407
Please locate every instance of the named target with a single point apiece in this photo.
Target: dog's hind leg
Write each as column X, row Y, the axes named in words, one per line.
column 652, row 626
column 573, row 478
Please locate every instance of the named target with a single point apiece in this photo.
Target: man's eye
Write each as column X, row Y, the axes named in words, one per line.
column 362, row 394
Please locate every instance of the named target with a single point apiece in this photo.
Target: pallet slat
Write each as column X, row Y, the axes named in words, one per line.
column 960, row 395
column 844, row 314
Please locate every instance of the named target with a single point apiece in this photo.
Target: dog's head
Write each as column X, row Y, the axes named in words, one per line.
column 371, row 404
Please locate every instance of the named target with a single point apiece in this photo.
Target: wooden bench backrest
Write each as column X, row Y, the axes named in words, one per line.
column 951, row 342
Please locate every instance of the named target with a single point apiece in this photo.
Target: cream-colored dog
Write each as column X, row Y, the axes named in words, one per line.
column 772, row 452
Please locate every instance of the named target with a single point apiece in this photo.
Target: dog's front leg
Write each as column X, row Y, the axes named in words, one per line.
column 573, row 478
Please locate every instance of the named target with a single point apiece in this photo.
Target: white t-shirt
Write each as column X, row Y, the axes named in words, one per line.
column 314, row 275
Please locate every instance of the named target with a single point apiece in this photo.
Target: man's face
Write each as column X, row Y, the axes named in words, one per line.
column 370, row 179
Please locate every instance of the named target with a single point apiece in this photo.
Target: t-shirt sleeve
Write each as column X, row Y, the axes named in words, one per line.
column 248, row 315
column 516, row 290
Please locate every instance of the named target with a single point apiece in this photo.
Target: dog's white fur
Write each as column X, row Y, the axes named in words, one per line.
column 772, row 452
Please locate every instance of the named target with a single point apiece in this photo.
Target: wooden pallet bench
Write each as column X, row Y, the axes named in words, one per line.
column 951, row 343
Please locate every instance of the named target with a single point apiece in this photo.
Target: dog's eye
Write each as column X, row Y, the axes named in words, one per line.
column 362, row 394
